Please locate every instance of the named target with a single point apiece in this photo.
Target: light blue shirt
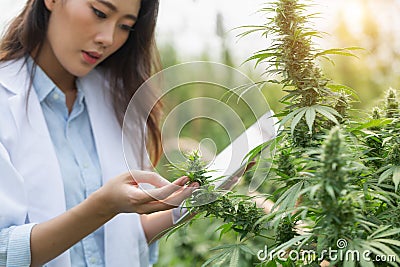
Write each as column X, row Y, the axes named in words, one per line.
column 73, row 140
column 72, row 137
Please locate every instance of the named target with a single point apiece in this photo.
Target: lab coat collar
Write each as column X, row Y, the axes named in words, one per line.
column 9, row 71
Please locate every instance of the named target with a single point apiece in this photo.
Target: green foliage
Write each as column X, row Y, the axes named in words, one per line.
column 195, row 169
column 238, row 212
column 285, row 231
column 336, row 176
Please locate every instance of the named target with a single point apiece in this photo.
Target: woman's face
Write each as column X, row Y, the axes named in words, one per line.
column 82, row 33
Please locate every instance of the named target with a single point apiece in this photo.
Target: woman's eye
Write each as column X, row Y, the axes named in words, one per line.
column 99, row 14
column 127, row 27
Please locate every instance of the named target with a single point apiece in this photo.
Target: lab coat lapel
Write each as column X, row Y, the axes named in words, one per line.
column 42, row 177
column 43, row 181
column 123, row 234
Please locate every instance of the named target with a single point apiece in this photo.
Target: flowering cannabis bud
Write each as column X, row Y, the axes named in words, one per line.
column 392, row 104
column 342, row 105
column 285, row 231
column 376, row 113
column 394, row 155
column 285, row 164
column 332, row 150
column 195, row 168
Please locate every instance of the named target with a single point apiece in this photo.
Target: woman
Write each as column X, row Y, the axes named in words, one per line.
column 68, row 69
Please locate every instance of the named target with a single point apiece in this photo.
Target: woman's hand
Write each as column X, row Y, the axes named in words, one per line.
column 121, row 194
column 124, row 194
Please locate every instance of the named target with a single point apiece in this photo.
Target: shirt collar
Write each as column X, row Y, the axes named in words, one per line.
column 43, row 85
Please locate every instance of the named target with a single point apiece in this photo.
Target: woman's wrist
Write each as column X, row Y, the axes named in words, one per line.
column 101, row 205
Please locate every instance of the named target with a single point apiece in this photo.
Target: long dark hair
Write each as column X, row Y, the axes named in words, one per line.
column 127, row 68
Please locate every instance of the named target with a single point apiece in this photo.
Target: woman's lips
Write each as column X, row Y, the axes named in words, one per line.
column 91, row 57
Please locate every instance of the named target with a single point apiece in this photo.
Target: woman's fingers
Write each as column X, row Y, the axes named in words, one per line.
column 133, row 198
column 173, row 201
column 165, row 191
column 149, row 178
column 178, row 197
column 181, row 181
column 153, row 178
column 154, row 207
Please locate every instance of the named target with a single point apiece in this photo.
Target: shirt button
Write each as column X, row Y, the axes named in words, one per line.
column 93, row 260
column 85, row 165
column 56, row 96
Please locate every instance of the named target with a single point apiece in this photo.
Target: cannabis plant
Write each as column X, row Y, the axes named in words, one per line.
column 336, row 177
column 238, row 212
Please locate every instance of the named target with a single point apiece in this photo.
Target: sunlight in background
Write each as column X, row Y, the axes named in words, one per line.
column 353, row 14
column 190, row 25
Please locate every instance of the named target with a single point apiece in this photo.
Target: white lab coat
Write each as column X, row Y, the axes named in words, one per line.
column 31, row 187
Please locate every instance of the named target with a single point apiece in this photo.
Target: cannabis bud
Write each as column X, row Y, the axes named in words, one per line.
column 392, row 104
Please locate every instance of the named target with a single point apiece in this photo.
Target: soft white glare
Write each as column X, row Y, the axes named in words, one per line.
column 190, row 25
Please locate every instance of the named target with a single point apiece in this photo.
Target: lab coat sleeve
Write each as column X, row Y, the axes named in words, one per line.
column 15, row 249
column 14, row 233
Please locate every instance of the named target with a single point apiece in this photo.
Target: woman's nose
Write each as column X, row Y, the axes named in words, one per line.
column 105, row 35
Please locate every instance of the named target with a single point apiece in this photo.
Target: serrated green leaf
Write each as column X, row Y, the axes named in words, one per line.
column 234, row 262
column 260, row 57
column 336, row 51
column 385, row 249
column 385, row 175
column 296, row 120
column 330, row 191
column 289, row 197
column 387, row 139
column 343, row 88
column 289, row 116
column 366, row 246
column 216, row 257
column 311, row 33
column 396, row 177
column 379, row 231
column 328, row 109
column 381, row 197
column 310, row 117
column 228, row 246
column 224, row 229
column 313, row 190
column 389, row 241
column 246, row 249
column 327, row 114
column 375, row 123
column 365, row 263
column 290, row 243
